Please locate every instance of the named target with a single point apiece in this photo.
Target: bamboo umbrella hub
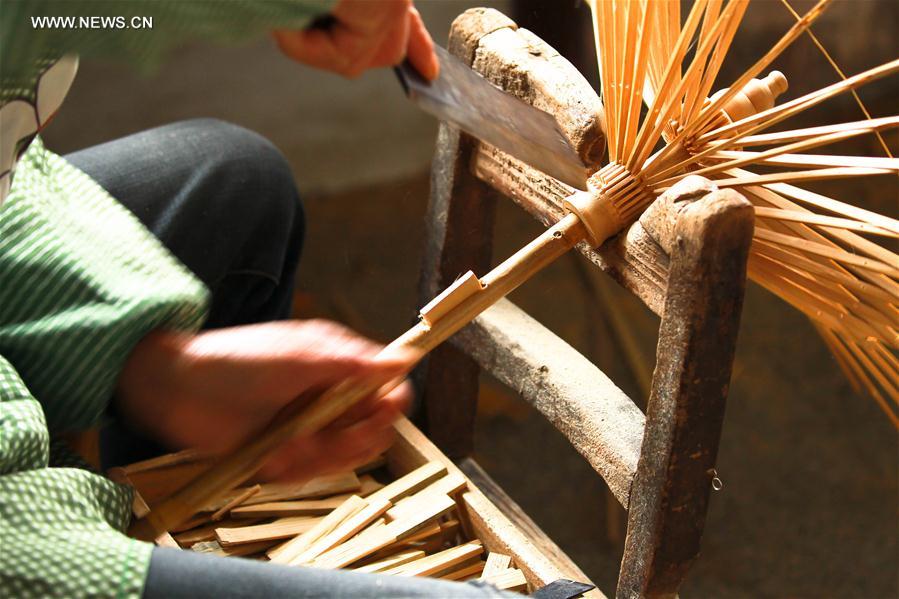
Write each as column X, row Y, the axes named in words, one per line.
column 615, row 199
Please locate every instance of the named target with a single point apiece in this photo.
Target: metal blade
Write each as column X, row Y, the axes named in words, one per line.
column 462, row 97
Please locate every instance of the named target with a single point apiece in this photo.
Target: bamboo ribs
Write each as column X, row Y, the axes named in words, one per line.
column 407, row 527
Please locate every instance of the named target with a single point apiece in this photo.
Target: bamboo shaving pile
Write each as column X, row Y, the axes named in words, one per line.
column 808, row 248
column 412, row 526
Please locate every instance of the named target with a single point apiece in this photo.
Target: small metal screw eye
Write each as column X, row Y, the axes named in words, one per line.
column 557, row 234
column 717, row 483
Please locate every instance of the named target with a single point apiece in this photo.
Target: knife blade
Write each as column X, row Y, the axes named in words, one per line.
column 464, row 98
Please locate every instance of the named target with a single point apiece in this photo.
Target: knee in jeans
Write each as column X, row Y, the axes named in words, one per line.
column 265, row 196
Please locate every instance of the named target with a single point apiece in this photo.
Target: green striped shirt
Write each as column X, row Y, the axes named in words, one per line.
column 81, row 282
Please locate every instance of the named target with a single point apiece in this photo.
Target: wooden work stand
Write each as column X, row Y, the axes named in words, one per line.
column 685, row 259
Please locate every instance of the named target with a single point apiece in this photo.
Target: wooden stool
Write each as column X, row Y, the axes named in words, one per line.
column 685, row 259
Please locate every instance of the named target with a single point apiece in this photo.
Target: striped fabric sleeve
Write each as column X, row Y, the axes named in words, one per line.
column 61, row 529
column 27, row 34
column 81, row 282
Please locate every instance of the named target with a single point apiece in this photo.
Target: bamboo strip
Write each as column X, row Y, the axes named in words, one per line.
column 344, row 531
column 273, row 531
column 305, row 507
column 321, row 486
column 842, row 75
column 868, row 126
column 812, row 218
column 437, row 562
column 762, row 120
column 238, row 500
column 463, row 573
column 391, row 562
column 287, row 552
column 496, row 563
column 821, row 174
column 510, row 580
column 373, row 539
column 813, row 160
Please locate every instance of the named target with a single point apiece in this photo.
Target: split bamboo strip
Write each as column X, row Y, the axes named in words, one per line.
column 373, row 539
column 510, row 580
column 437, row 562
column 238, row 500
column 285, row 553
column 391, row 562
column 496, row 563
column 317, row 487
column 344, row 531
column 841, row 74
column 305, row 507
column 246, row 549
column 273, row 531
column 463, row 573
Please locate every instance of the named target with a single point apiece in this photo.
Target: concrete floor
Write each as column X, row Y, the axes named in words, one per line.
column 810, row 468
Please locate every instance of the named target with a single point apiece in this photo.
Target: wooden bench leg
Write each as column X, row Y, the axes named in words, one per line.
column 459, row 238
column 697, row 339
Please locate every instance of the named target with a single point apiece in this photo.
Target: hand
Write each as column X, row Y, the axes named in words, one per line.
column 365, row 34
column 213, row 390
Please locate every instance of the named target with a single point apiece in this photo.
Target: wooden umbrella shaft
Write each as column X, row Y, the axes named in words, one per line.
column 243, row 463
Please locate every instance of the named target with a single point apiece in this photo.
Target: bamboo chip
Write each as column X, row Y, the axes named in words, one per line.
column 510, row 580
column 273, row 531
column 139, row 507
column 831, row 252
column 269, row 492
column 448, row 485
column 373, row 539
column 166, row 540
column 865, row 320
column 344, row 531
column 285, row 553
column 776, row 195
column 411, row 482
column 247, row 549
column 428, row 538
column 164, row 461
column 437, row 562
column 390, row 562
column 207, row 532
column 305, row 507
column 819, row 270
column 496, row 563
column 238, row 500
column 463, row 573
